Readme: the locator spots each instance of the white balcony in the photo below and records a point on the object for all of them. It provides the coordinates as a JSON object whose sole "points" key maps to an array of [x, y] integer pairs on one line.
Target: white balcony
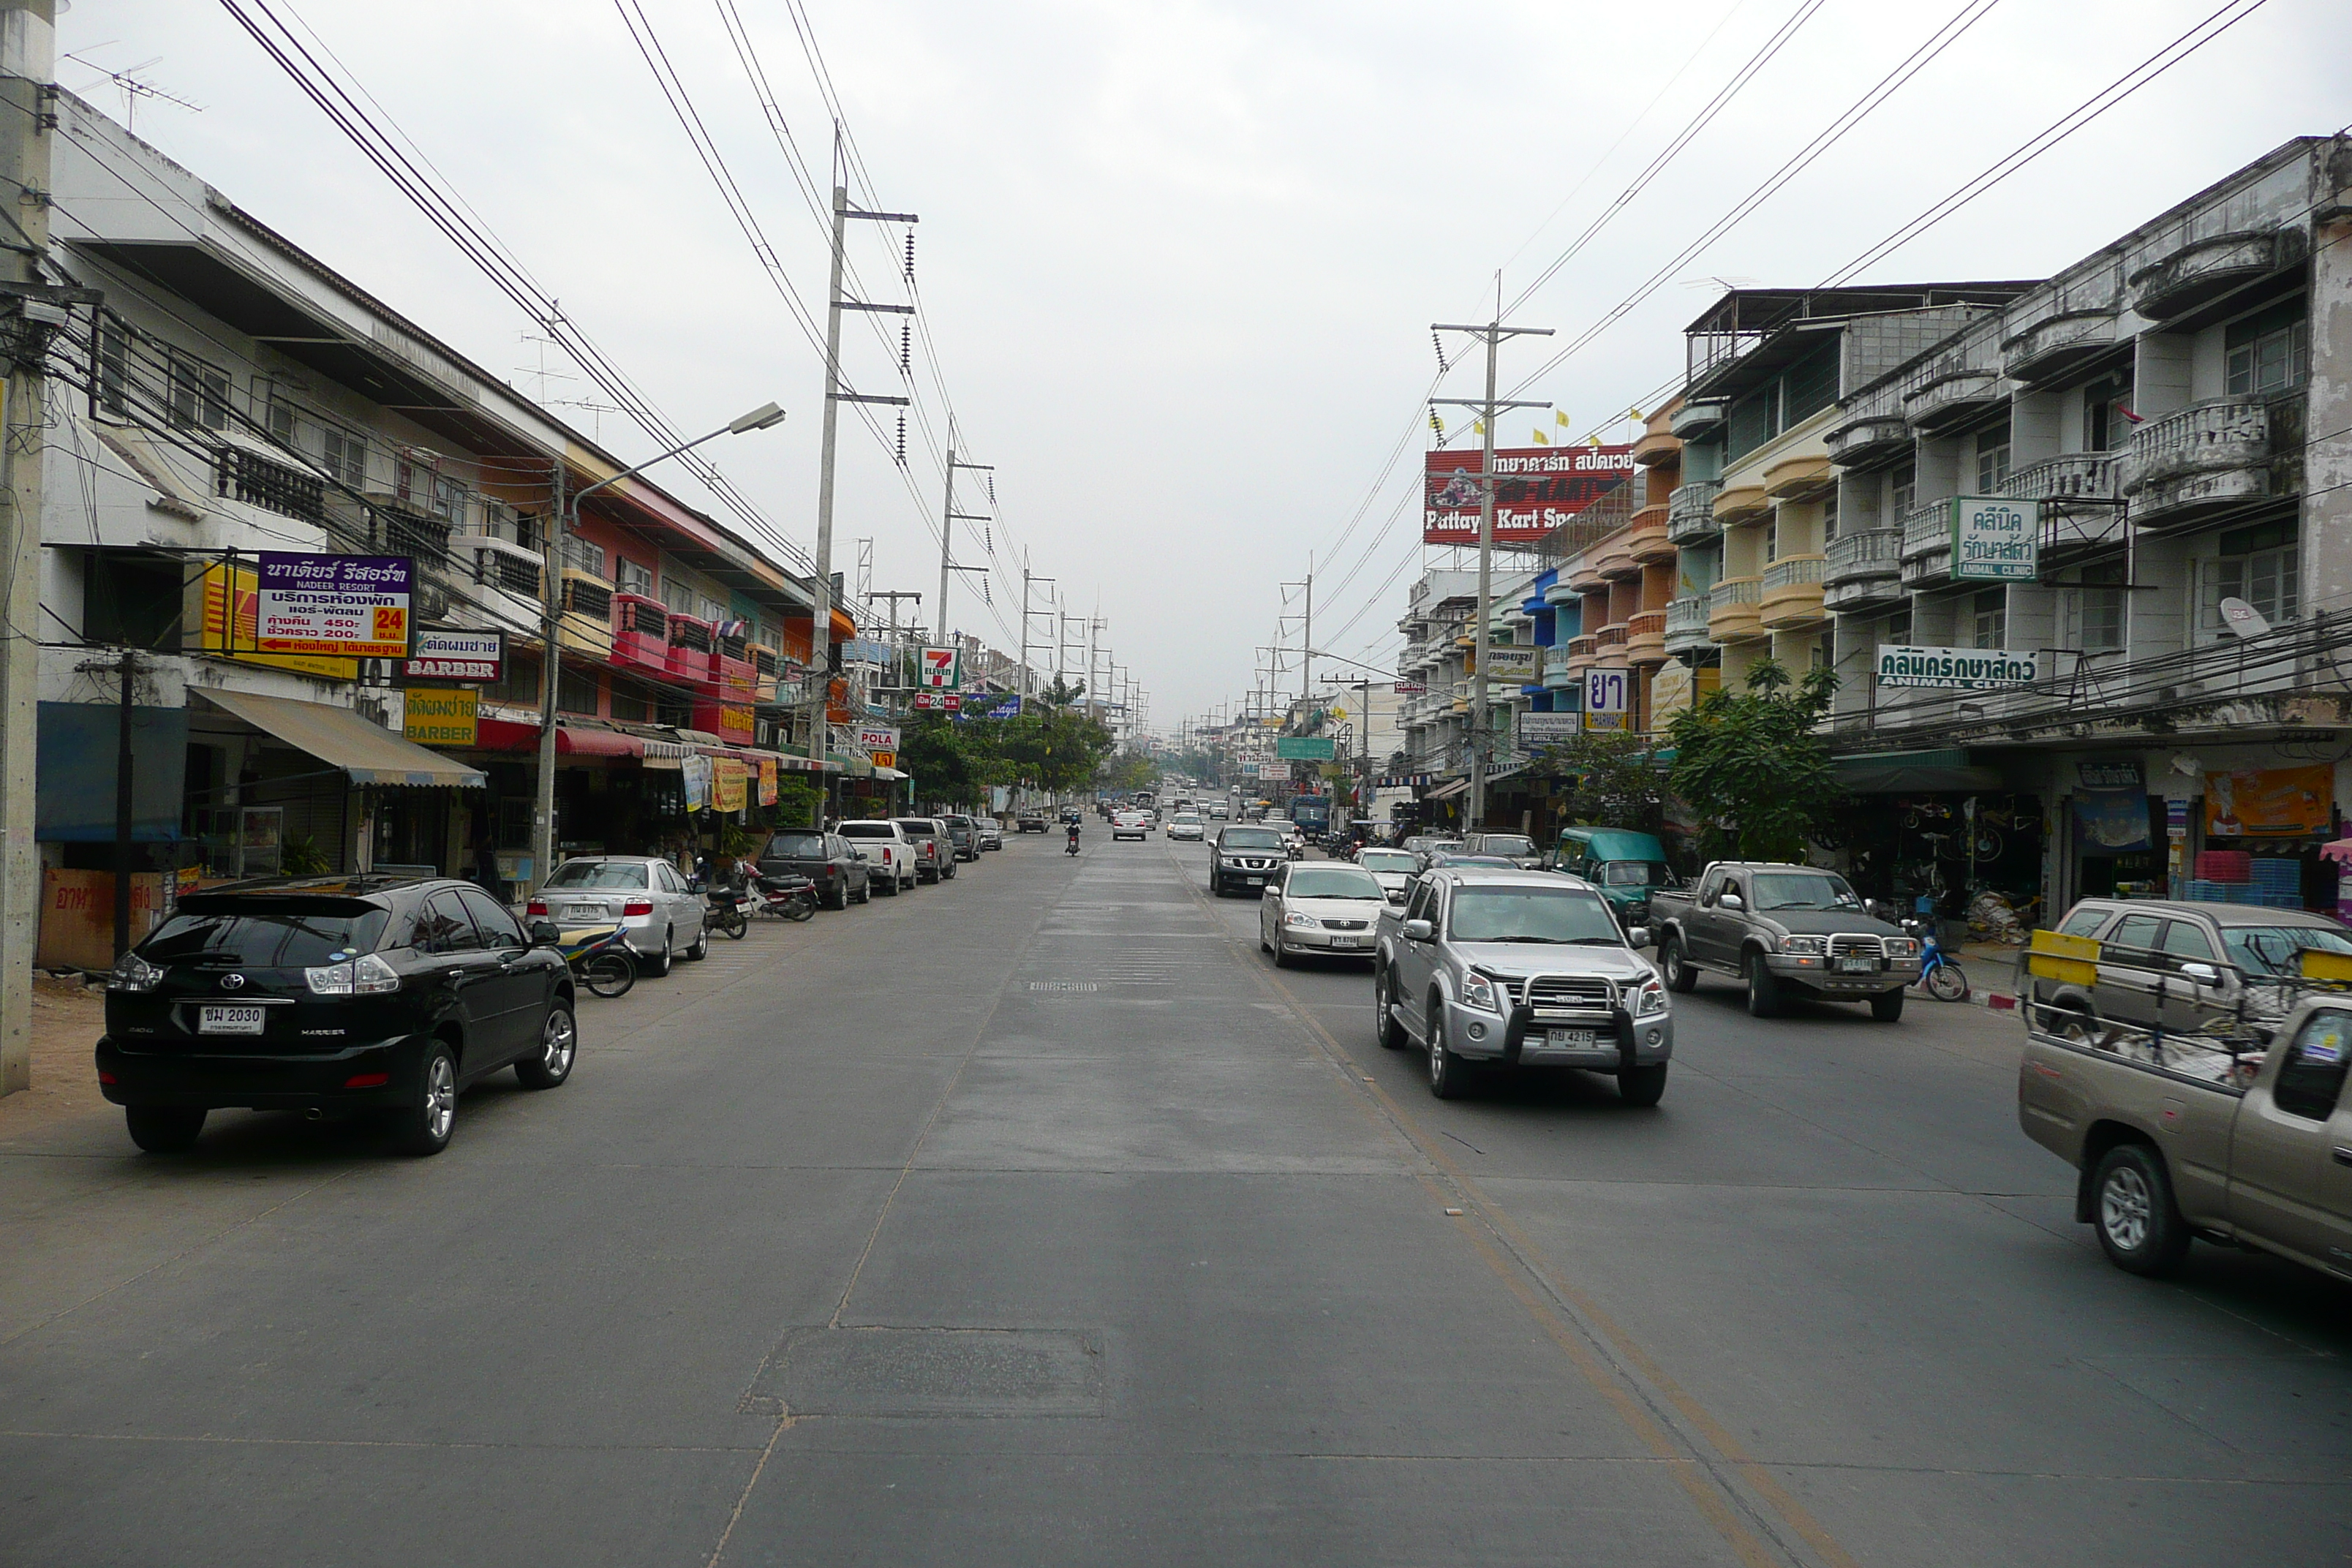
{"points": [[2208, 460], [1690, 512], [1686, 623], [1863, 570]]}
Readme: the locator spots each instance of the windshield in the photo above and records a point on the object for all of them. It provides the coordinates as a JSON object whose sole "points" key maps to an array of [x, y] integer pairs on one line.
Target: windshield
{"points": [[271, 939], [1505, 844], [2275, 950], [1332, 882], [1565, 916], [1389, 860], [919, 825], [1251, 839], [1804, 890], [598, 874], [1633, 874], [811, 845]]}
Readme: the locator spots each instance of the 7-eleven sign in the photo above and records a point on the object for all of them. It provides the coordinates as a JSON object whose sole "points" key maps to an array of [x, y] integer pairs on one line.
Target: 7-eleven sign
{"points": [[942, 668]]}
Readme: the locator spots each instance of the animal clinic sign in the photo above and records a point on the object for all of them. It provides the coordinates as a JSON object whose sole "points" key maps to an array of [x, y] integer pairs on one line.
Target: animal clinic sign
{"points": [[1995, 540], [343, 606]]}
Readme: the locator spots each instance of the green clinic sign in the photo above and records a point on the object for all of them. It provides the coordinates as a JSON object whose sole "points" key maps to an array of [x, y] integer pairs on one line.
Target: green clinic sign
{"points": [[1995, 540]]}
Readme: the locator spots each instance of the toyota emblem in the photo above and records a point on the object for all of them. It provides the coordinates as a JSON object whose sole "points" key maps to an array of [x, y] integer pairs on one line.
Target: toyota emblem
{"points": [[232, 982]]}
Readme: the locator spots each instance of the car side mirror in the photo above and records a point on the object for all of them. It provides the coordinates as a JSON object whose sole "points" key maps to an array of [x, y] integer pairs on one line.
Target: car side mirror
{"points": [[1731, 901], [2203, 974], [1638, 937], [546, 933], [1419, 931]]}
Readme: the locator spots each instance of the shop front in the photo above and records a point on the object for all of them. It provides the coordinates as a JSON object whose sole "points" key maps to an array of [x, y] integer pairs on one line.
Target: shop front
{"points": [[1944, 827]]}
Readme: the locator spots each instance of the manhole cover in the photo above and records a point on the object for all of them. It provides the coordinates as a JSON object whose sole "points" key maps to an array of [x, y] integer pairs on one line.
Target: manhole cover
{"points": [[1063, 985], [932, 1372]]}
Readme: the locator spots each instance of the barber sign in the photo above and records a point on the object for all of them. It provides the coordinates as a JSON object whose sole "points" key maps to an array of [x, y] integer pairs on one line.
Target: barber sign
{"points": [[478, 657]]}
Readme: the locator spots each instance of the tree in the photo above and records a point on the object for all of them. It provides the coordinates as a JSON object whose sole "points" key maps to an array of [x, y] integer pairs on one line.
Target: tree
{"points": [[1616, 779], [1127, 771], [1751, 766], [1063, 693], [944, 759]]}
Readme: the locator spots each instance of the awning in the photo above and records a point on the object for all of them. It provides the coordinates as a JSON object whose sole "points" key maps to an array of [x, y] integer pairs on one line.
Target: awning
{"points": [[1448, 791], [889, 776], [571, 740], [1914, 773], [340, 738]]}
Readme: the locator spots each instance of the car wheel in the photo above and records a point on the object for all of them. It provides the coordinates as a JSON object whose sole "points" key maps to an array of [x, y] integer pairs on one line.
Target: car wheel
{"points": [[1216, 888], [423, 1126], [1385, 1027], [1644, 1085], [559, 1046], [1886, 1007], [866, 892], [1763, 988], [660, 964], [163, 1128], [1263, 944], [701, 948], [1681, 974], [1449, 1075], [839, 898], [2140, 1228], [1283, 957]]}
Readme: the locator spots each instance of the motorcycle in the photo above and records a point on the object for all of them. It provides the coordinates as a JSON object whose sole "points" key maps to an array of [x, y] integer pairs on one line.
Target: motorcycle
{"points": [[729, 912], [1071, 848], [792, 897], [1939, 976], [600, 957]]}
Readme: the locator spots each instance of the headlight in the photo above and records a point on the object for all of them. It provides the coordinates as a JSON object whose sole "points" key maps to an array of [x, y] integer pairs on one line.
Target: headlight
{"points": [[1814, 945], [132, 972], [1902, 947], [365, 976], [1478, 992], [1651, 998], [1308, 921]]}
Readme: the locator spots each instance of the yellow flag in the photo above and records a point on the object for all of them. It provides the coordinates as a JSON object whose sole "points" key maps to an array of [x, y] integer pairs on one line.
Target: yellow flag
{"points": [[1634, 415], [1477, 427], [1596, 443], [1541, 439], [1559, 418]]}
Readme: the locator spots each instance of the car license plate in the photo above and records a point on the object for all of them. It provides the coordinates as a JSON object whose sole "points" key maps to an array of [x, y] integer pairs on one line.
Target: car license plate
{"points": [[1858, 966], [1351, 942], [230, 1020], [1579, 1039], [1257, 881]]}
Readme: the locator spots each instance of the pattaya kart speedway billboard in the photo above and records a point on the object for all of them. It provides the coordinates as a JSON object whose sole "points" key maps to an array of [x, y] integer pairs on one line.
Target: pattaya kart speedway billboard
{"points": [[1540, 488]]}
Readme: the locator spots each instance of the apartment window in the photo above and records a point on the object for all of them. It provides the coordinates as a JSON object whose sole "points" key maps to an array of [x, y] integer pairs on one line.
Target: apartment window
{"points": [[448, 501], [712, 611], [1898, 630], [2106, 427], [1810, 386], [2269, 352], [1902, 489], [112, 390], [1752, 421], [412, 483], [581, 556], [575, 690], [1829, 517], [632, 704], [198, 396], [678, 597], [632, 578], [2258, 566], [1989, 612], [346, 457], [277, 418], [521, 684], [1992, 460], [1772, 540], [2097, 608]]}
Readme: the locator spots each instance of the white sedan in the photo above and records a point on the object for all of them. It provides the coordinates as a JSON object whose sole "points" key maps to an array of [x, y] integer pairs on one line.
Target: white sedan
{"points": [[1322, 907], [1135, 825], [1185, 825]]}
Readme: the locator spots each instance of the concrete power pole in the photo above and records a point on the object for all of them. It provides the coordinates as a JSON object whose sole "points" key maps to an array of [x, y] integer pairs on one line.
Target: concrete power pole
{"points": [[29, 62], [949, 518], [821, 609], [1481, 732]]}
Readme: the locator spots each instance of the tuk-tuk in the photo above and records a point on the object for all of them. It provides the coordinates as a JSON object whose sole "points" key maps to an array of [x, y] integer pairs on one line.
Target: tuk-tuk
{"points": [[1624, 865]]}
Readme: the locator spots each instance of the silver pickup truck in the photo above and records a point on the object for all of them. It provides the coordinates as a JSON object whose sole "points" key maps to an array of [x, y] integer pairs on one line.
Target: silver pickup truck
{"points": [[1782, 931], [2181, 1136], [1520, 969]]}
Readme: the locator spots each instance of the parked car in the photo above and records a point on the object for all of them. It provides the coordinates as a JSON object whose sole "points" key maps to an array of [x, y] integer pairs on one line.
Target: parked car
{"points": [[387, 996], [1185, 826], [2184, 965], [886, 851], [991, 833], [1247, 855], [1521, 969], [1515, 848], [1029, 822], [1393, 869], [1135, 825], [1325, 907], [2183, 1135], [964, 834], [660, 917], [826, 859], [935, 859], [1784, 930], [1626, 866]]}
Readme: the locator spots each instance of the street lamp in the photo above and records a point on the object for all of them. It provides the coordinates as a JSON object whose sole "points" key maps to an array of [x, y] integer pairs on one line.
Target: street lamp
{"points": [[542, 833]]}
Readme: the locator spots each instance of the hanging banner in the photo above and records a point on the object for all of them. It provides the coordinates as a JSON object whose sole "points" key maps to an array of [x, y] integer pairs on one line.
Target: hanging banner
{"points": [[2111, 807], [883, 759], [1995, 540], [727, 776], [942, 670], [1537, 489], [457, 655], [767, 781], [441, 716], [347, 607], [2270, 803], [875, 739], [694, 772]]}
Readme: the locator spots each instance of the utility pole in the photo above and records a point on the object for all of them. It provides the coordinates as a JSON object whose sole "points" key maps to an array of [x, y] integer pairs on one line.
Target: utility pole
{"points": [[1027, 577], [949, 518], [821, 610], [893, 596], [31, 93], [1481, 735], [551, 661]]}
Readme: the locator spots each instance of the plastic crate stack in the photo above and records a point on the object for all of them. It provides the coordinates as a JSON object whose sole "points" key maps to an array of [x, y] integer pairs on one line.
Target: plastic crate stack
{"points": [[2277, 884], [2223, 877]]}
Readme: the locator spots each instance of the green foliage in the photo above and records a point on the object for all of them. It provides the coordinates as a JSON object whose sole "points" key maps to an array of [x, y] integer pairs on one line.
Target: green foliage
{"points": [[1127, 771], [1750, 764], [1063, 693], [302, 858], [1615, 779], [1043, 747]]}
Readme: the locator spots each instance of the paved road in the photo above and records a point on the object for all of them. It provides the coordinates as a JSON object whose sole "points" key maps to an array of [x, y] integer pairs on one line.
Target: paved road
{"points": [[1091, 1238]]}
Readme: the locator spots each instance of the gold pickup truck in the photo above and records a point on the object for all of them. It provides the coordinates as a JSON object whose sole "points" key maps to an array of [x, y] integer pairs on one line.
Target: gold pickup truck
{"points": [[2243, 1139]]}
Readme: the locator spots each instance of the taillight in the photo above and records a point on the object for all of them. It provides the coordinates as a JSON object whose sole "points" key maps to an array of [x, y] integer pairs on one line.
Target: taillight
{"points": [[637, 907], [367, 1080], [536, 907], [106, 1078]]}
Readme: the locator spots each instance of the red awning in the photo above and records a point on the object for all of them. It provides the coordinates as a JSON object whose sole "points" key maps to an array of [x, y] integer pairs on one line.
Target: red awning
{"points": [[507, 735]]}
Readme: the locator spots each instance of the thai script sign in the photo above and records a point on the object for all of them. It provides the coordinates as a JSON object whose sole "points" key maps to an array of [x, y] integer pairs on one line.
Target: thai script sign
{"points": [[1537, 489], [1606, 698], [1995, 540], [1957, 668], [1304, 748], [441, 716], [349, 606], [1541, 730], [457, 655], [219, 611], [1518, 662]]}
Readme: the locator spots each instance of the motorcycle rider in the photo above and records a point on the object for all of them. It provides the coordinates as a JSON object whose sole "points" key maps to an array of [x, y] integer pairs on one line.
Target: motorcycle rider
{"points": [[1073, 837]]}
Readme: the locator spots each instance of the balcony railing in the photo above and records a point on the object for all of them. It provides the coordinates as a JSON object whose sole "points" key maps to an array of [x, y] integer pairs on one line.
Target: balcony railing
{"points": [[1927, 527], [1871, 553], [1608, 637], [1734, 591], [1687, 613], [2205, 458], [1556, 658], [1690, 512], [2089, 476], [1791, 570]]}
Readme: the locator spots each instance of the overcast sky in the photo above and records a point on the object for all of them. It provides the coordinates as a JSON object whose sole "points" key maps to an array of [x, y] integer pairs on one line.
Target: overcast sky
{"points": [[1178, 259]]}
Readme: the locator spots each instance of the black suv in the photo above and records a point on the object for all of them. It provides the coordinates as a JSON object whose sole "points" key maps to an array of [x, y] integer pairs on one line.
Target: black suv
{"points": [[332, 994], [826, 859]]}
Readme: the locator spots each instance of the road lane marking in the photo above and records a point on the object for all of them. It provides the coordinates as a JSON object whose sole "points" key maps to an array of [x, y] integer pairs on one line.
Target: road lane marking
{"points": [[1575, 1324]]}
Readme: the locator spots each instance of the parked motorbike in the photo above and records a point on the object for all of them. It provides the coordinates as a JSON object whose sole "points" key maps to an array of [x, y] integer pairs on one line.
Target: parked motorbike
{"points": [[792, 897], [600, 957], [1939, 976], [730, 910]]}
